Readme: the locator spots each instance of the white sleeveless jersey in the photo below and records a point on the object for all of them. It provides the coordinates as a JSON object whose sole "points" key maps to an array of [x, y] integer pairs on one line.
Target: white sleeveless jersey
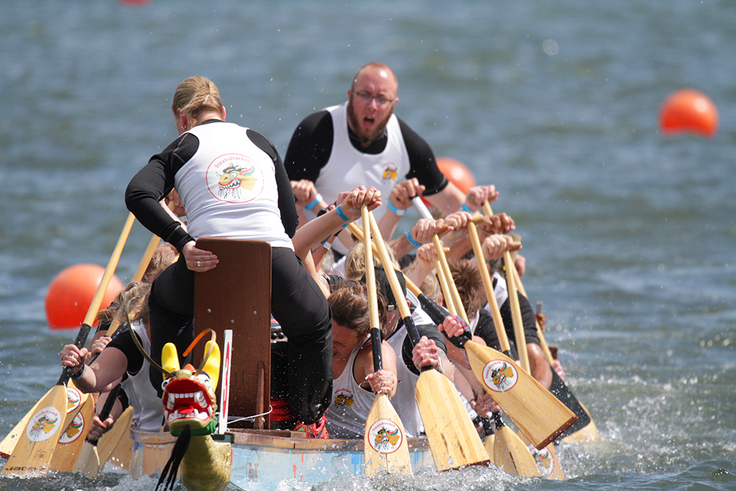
{"points": [[349, 168], [229, 187], [148, 410], [350, 403]]}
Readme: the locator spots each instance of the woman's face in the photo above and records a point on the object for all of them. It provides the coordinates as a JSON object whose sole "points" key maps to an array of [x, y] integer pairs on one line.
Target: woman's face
{"points": [[344, 341]]}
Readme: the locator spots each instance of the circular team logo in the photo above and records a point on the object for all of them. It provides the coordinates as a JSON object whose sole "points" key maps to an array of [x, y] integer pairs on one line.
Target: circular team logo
{"points": [[544, 460], [44, 424], [73, 398], [234, 178], [499, 375], [385, 436], [74, 431]]}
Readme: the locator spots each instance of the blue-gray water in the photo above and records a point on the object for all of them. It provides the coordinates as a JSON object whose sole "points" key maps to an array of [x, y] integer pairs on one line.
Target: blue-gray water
{"points": [[629, 234]]}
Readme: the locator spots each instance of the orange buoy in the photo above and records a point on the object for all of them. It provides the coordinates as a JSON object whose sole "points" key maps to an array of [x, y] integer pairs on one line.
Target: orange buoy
{"points": [[457, 173], [71, 291], [691, 111]]}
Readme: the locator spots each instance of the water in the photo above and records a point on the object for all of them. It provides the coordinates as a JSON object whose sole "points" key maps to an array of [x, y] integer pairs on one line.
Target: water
{"points": [[629, 235]]}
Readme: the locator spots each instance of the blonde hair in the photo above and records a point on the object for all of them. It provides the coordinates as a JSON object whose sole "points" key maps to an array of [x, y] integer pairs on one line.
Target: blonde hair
{"points": [[349, 305], [355, 261], [132, 301], [196, 95]]}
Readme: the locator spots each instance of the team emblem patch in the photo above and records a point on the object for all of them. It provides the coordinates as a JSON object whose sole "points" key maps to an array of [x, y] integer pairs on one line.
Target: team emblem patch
{"points": [[389, 172], [44, 424], [344, 398], [385, 436], [234, 178], [73, 398], [74, 431], [544, 460], [499, 375]]}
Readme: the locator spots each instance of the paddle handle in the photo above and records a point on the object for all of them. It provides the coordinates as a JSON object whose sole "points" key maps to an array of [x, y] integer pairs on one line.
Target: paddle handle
{"points": [[78, 342]]}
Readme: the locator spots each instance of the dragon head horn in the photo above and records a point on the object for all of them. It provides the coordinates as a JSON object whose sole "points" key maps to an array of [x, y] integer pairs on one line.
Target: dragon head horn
{"points": [[170, 358]]}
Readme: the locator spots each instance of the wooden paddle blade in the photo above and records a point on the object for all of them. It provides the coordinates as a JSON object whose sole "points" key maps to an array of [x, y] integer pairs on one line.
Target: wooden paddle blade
{"points": [[118, 434], [35, 446], [8, 443], [452, 437], [587, 434], [72, 440], [535, 411], [565, 395], [386, 448], [511, 455], [546, 459], [88, 462]]}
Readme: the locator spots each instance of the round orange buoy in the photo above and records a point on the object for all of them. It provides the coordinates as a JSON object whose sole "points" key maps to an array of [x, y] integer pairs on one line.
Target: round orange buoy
{"points": [[71, 291], [457, 173], [691, 111]]}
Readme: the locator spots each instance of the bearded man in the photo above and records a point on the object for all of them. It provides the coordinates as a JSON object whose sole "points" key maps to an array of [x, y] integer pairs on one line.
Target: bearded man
{"points": [[362, 142]]}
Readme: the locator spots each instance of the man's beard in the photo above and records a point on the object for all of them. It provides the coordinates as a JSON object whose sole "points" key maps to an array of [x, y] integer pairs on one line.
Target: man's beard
{"points": [[367, 136]]}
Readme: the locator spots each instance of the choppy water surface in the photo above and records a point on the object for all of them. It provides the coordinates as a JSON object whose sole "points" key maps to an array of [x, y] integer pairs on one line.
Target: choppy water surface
{"points": [[629, 234]]}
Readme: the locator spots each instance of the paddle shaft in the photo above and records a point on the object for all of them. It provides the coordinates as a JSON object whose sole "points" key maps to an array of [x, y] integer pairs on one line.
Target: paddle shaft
{"points": [[370, 283], [454, 297], [109, 403]]}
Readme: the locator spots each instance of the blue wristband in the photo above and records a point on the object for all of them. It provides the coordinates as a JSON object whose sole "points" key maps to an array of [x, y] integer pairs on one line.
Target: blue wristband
{"points": [[395, 210], [465, 208], [314, 203], [342, 214], [412, 241]]}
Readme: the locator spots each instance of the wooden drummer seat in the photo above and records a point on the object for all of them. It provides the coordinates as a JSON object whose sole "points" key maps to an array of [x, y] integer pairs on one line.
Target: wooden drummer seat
{"points": [[237, 295]]}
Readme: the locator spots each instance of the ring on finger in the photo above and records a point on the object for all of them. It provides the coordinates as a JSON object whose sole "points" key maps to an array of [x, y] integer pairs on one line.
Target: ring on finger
{"points": [[199, 264]]}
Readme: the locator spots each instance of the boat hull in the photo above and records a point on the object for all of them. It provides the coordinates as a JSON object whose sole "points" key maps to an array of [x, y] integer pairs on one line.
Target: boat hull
{"points": [[261, 459]]}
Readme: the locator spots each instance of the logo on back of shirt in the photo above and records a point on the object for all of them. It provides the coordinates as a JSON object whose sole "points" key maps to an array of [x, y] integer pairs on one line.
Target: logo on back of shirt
{"points": [[234, 178], [389, 172]]}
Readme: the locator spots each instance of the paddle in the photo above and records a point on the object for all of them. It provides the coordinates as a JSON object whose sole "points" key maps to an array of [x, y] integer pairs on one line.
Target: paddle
{"points": [[71, 441], [453, 440], [553, 468], [584, 428], [88, 462], [509, 452], [34, 448], [535, 411], [115, 437], [385, 446], [558, 387]]}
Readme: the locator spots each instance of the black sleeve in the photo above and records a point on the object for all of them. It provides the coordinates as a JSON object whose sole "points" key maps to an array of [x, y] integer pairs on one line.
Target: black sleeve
{"points": [[527, 317], [287, 206], [422, 161], [429, 330], [310, 147], [486, 330], [124, 342], [156, 180]]}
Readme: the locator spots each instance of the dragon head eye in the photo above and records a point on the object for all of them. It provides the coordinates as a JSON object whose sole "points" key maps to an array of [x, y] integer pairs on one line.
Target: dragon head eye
{"points": [[205, 379]]}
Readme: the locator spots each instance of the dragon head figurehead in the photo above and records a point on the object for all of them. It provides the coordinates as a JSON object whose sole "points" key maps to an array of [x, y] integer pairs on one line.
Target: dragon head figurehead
{"points": [[189, 395]]}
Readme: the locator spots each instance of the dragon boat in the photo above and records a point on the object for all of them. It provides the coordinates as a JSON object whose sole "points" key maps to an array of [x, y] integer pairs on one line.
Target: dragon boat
{"points": [[247, 452]]}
